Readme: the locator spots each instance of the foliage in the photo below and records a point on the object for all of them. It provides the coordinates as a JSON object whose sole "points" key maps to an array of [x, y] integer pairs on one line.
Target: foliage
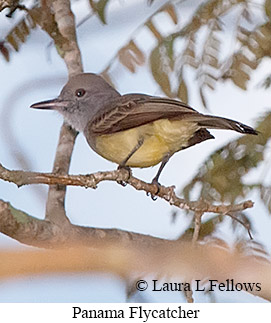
{"points": [[221, 176], [209, 24], [203, 46], [99, 8], [12, 5], [18, 35], [221, 180]]}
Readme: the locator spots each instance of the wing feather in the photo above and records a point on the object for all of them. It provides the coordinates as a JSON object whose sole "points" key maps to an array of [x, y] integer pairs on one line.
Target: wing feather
{"points": [[133, 110]]}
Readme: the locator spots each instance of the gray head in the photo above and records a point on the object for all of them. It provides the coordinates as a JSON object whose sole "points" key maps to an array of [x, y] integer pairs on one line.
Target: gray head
{"points": [[81, 99]]}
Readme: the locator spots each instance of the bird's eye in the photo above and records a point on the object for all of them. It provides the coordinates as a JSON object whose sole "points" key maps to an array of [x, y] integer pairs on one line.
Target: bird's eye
{"points": [[80, 92]]}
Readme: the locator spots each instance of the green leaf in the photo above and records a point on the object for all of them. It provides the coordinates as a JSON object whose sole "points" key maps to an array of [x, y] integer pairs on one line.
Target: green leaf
{"points": [[99, 7]]}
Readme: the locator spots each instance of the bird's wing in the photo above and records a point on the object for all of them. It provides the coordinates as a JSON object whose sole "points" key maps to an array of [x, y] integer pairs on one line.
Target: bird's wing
{"points": [[133, 110]]}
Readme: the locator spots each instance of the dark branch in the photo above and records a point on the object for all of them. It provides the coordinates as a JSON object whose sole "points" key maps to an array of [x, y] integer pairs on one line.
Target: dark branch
{"points": [[42, 233]]}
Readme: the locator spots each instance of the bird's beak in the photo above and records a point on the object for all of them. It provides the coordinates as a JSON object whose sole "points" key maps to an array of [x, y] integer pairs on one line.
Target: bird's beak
{"points": [[53, 104]]}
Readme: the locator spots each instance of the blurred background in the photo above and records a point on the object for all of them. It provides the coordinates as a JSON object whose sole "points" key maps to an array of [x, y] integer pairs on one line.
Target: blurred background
{"points": [[213, 54]]}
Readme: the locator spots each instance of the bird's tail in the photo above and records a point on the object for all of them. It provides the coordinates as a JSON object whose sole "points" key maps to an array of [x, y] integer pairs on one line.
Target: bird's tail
{"points": [[212, 122]]}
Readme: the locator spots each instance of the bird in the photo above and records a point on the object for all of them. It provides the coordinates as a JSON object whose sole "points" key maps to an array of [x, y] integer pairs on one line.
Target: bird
{"points": [[133, 130]]}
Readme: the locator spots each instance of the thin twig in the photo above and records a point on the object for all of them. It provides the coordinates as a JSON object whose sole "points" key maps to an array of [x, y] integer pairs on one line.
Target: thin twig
{"points": [[197, 218], [245, 225], [21, 178]]}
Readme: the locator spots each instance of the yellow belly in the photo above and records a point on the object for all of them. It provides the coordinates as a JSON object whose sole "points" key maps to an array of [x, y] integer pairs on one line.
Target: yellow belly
{"points": [[160, 138]]}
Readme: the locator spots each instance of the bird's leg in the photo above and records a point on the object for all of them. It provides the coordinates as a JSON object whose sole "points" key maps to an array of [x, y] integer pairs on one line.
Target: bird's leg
{"points": [[156, 177], [123, 163], [137, 146]]}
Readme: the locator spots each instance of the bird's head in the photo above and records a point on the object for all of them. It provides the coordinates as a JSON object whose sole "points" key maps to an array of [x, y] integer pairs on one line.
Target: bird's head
{"points": [[81, 99]]}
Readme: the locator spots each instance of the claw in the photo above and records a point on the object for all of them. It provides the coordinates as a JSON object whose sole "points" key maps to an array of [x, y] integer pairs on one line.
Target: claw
{"points": [[154, 196], [123, 183]]}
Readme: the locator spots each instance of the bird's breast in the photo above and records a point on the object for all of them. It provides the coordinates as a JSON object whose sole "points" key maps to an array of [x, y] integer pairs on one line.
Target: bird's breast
{"points": [[159, 138]]}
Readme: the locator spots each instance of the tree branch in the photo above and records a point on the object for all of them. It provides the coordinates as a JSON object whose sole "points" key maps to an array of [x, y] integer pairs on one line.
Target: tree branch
{"points": [[120, 252], [55, 206], [179, 260], [42, 233], [55, 210], [66, 25], [92, 180]]}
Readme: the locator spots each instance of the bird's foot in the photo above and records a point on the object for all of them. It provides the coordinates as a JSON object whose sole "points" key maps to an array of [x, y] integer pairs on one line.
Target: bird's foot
{"points": [[128, 169], [157, 184]]}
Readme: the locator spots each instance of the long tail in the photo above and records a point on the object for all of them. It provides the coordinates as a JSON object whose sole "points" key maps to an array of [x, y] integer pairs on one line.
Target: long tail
{"points": [[212, 122]]}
